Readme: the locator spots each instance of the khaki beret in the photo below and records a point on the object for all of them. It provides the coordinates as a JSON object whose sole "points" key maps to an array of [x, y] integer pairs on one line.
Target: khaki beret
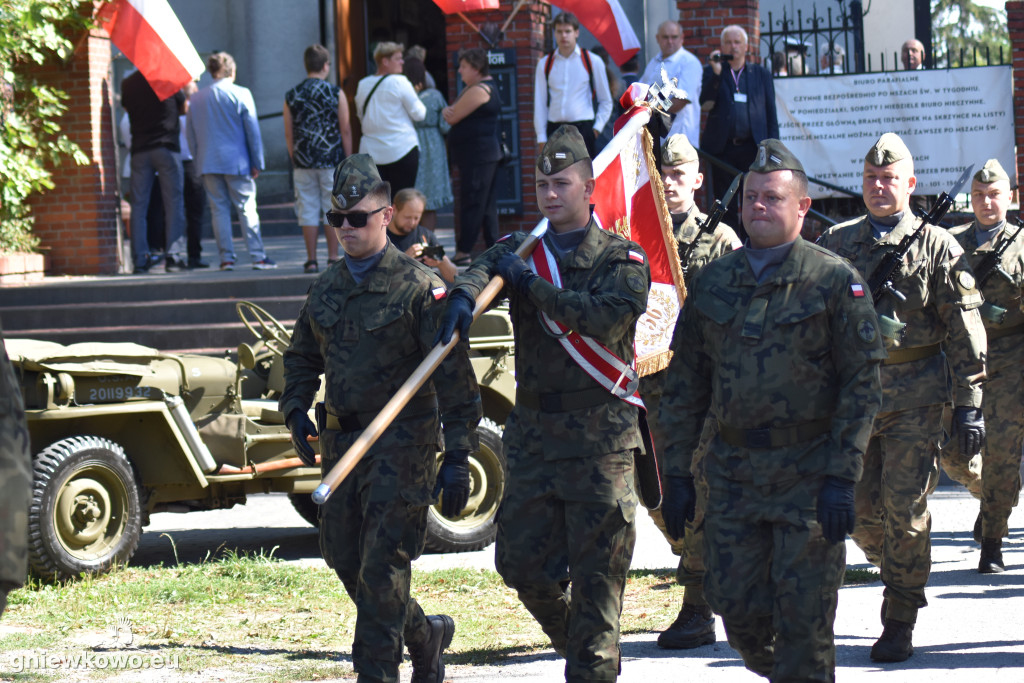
{"points": [[772, 155], [991, 172], [677, 150], [564, 148], [354, 178], [889, 149]]}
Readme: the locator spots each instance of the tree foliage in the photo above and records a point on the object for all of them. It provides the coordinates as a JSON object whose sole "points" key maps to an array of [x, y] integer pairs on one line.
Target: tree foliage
{"points": [[32, 32], [966, 33]]}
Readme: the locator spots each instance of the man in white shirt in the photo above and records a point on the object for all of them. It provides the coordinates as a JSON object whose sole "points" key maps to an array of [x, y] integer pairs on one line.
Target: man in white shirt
{"points": [[682, 65], [387, 106], [570, 86]]}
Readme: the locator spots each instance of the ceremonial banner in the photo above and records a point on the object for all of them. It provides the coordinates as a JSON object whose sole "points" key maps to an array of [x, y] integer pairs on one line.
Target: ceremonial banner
{"points": [[949, 118], [456, 6], [151, 37], [629, 200], [609, 24]]}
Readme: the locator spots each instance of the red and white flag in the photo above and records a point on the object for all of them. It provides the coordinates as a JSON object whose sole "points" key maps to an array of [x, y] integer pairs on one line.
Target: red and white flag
{"points": [[151, 37], [629, 200], [456, 6], [609, 24]]}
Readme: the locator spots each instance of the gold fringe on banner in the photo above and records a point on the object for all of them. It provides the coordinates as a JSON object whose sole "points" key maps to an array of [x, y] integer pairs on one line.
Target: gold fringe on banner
{"points": [[663, 216]]}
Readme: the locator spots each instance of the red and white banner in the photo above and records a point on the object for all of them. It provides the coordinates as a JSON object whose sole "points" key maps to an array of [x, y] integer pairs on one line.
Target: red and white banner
{"points": [[456, 6], [609, 24], [629, 200], [151, 37]]}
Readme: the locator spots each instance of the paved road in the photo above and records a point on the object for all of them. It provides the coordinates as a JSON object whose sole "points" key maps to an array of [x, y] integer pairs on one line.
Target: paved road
{"points": [[973, 628]]}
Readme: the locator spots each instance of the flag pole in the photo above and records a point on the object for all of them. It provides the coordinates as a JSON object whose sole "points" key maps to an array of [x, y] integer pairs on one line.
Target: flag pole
{"points": [[475, 28], [515, 11]]}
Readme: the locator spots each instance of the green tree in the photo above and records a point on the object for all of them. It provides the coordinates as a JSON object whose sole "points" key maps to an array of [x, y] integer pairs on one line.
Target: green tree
{"points": [[32, 32], [966, 33]]}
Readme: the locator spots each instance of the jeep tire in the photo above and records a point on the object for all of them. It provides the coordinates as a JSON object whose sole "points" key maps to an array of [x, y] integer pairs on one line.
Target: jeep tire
{"points": [[477, 526], [86, 511]]}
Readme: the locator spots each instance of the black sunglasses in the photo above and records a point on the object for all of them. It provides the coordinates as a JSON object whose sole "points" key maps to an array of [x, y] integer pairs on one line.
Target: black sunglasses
{"points": [[357, 219]]}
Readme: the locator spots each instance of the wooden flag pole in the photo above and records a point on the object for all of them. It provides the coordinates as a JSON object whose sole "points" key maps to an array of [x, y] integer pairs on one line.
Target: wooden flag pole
{"points": [[515, 11], [417, 379]]}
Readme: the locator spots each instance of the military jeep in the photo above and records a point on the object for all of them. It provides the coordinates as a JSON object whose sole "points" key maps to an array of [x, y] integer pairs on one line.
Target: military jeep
{"points": [[120, 431]]}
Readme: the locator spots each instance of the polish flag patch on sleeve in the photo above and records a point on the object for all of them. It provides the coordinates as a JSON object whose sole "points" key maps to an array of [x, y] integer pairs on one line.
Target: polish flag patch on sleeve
{"points": [[439, 293], [636, 256], [857, 290]]}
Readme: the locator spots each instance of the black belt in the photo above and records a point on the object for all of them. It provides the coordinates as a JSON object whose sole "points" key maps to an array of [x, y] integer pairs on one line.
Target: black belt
{"points": [[356, 422], [774, 437], [563, 402], [1001, 332], [899, 356]]}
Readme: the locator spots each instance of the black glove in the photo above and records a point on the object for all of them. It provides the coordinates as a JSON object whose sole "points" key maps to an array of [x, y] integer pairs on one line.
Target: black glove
{"points": [[458, 314], [301, 426], [969, 426], [453, 480], [835, 509], [517, 274], [679, 504]]}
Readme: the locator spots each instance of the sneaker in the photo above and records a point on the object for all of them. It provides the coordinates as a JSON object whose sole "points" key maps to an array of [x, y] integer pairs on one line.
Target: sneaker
{"points": [[196, 263], [695, 626], [227, 265], [265, 264], [174, 265], [427, 658]]}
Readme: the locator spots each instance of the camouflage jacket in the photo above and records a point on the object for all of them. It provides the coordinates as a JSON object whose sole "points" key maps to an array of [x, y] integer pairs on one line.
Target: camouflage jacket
{"points": [[799, 348], [940, 307], [368, 338], [603, 294], [709, 247], [15, 478], [998, 290]]}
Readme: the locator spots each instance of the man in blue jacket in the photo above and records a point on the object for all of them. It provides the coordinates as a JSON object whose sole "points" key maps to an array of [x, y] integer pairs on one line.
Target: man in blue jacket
{"points": [[740, 101]]}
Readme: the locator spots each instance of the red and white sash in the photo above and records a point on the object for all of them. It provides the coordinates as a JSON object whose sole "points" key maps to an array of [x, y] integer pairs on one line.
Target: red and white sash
{"points": [[596, 359]]}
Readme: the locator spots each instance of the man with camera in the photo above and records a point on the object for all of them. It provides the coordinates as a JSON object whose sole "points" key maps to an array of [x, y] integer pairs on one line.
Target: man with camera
{"points": [[740, 101], [418, 242]]}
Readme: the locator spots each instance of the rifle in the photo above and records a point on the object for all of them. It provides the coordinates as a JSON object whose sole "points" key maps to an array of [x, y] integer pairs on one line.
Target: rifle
{"points": [[990, 265], [881, 280], [710, 223]]}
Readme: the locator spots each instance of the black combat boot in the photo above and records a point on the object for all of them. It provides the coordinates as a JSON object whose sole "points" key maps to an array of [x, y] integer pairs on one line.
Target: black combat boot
{"points": [[695, 626], [894, 645], [991, 556], [427, 657], [977, 529]]}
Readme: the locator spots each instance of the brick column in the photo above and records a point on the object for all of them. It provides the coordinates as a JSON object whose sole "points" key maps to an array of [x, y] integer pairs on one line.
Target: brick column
{"points": [[77, 221], [1015, 23], [703, 23], [526, 34]]}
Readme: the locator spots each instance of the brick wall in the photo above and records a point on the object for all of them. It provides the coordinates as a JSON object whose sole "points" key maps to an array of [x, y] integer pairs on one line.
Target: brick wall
{"points": [[703, 23], [526, 34], [1015, 22], [77, 220]]}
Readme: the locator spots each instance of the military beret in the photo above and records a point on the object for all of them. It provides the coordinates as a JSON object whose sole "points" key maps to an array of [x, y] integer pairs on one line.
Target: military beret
{"points": [[772, 155], [991, 172], [889, 149], [354, 178], [677, 150], [563, 149]]}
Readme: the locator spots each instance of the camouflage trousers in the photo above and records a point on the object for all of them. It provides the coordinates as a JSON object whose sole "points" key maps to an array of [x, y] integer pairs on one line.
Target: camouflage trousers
{"points": [[967, 473], [371, 529], [772, 576], [1004, 437], [893, 523], [566, 532], [15, 479]]}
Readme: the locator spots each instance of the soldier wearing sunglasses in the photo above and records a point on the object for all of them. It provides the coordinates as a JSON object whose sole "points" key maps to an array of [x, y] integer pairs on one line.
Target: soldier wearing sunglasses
{"points": [[368, 322]]}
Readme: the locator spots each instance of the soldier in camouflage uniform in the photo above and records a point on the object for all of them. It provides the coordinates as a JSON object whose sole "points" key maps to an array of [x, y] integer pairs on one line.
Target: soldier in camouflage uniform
{"points": [[1003, 317], [566, 528], [680, 171], [933, 322], [781, 342], [367, 323], [15, 481]]}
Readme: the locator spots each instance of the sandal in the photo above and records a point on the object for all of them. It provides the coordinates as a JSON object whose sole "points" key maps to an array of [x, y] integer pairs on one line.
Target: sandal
{"points": [[310, 267], [462, 259], [332, 261]]}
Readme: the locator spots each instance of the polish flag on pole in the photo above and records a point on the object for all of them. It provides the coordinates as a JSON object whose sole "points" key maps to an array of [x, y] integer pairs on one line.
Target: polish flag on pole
{"points": [[456, 6], [630, 200], [607, 21], [151, 37]]}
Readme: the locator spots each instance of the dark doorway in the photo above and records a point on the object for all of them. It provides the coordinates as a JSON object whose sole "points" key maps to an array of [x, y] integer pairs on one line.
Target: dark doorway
{"points": [[410, 22]]}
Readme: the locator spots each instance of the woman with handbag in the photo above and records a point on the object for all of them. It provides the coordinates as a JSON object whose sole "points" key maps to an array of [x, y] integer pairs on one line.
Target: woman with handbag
{"points": [[474, 147]]}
